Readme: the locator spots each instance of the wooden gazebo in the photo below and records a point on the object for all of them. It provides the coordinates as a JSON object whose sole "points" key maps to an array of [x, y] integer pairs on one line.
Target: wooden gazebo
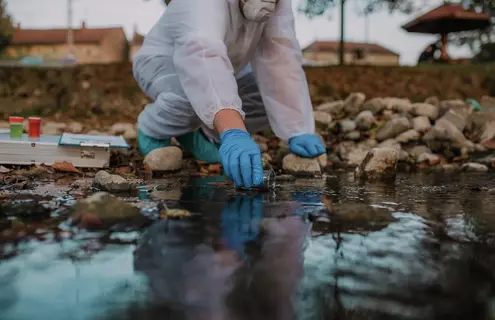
{"points": [[445, 19]]}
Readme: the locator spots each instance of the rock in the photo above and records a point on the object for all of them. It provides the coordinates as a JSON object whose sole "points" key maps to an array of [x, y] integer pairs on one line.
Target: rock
{"points": [[334, 108], [353, 103], [459, 116], [164, 159], [388, 115], [446, 105], [356, 156], [378, 163], [323, 160], [102, 210], [474, 167], [110, 182], [347, 125], [398, 104], [127, 130], [322, 118], [393, 128], [487, 102], [403, 155], [390, 143], [433, 101], [353, 135], [408, 136], [263, 146], [266, 158], [297, 166], [95, 133], [421, 124], [430, 158], [260, 139], [374, 105], [75, 127], [367, 144], [425, 109], [53, 128], [417, 151], [365, 120], [446, 131], [344, 148], [449, 167], [4, 125], [82, 184]]}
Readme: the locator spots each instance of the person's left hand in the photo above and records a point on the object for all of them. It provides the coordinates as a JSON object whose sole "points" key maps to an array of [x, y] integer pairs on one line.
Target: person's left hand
{"points": [[307, 146]]}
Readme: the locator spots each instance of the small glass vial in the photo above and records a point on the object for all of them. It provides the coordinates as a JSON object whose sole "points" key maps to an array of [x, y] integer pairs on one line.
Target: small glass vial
{"points": [[269, 179], [16, 127]]}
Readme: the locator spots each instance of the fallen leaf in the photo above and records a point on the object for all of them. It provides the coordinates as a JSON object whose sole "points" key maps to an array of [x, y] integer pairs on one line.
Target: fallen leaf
{"points": [[123, 170], [175, 213], [4, 170], [65, 166]]}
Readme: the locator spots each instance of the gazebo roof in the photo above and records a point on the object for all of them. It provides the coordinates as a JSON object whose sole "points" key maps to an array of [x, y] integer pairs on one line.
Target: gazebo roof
{"points": [[447, 18]]}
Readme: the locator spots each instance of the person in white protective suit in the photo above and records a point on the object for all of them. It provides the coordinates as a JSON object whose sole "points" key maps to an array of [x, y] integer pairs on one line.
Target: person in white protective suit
{"points": [[219, 70]]}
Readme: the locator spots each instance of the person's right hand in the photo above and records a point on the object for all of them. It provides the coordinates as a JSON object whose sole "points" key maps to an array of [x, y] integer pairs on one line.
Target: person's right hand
{"points": [[241, 158]]}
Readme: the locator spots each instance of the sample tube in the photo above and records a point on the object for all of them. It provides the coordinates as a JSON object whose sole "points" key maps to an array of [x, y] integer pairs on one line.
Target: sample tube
{"points": [[16, 127], [34, 128], [268, 182]]}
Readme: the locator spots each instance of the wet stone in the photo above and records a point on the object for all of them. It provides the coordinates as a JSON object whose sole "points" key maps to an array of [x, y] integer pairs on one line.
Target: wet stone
{"points": [[110, 182], [378, 163], [298, 166]]}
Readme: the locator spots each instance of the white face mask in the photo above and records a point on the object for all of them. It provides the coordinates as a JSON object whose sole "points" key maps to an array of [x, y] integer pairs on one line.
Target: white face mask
{"points": [[257, 10]]}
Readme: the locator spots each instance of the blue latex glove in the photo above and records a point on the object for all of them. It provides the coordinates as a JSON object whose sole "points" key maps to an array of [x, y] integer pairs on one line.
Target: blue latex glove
{"points": [[241, 158], [241, 218], [307, 146]]}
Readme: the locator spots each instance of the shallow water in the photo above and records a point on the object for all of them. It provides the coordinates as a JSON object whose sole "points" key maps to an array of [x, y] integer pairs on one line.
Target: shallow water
{"points": [[417, 248]]}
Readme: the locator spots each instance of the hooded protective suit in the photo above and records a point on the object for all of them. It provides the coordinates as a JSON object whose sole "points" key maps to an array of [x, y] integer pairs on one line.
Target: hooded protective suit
{"points": [[205, 56]]}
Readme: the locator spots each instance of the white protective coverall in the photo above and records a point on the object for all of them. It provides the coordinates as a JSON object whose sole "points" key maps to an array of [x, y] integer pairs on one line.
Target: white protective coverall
{"points": [[203, 56]]}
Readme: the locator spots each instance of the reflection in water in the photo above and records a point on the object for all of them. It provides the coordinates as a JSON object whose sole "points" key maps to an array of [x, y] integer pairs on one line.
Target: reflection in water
{"points": [[419, 248]]}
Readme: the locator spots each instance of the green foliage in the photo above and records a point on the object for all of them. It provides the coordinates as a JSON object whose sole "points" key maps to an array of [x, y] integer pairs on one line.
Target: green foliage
{"points": [[6, 26]]}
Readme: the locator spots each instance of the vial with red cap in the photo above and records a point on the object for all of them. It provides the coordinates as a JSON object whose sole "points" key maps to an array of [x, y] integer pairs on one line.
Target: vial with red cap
{"points": [[34, 127]]}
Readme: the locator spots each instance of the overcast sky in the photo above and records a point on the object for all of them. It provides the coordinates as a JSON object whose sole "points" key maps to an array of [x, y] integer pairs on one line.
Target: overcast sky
{"points": [[384, 29]]}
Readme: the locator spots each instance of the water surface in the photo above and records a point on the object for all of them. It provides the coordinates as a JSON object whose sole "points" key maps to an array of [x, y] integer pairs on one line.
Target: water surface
{"points": [[417, 248]]}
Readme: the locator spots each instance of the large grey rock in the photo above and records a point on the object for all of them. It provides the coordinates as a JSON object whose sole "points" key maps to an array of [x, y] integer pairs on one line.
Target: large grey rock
{"points": [[374, 105], [433, 100], [446, 105], [378, 163], [53, 128], [398, 104], [474, 167], [110, 182], [347, 125], [408, 136], [393, 128], [417, 151], [164, 159], [421, 124], [75, 127], [334, 108], [365, 120], [445, 130], [459, 116], [298, 166], [353, 103], [127, 130], [322, 118], [390, 143], [425, 109], [487, 102]]}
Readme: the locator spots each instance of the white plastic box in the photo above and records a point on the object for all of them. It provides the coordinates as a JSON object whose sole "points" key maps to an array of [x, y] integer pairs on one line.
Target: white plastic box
{"points": [[81, 150]]}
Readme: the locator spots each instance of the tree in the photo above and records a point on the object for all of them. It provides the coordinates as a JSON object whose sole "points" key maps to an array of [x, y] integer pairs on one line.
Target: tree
{"points": [[479, 41], [6, 26], [315, 8]]}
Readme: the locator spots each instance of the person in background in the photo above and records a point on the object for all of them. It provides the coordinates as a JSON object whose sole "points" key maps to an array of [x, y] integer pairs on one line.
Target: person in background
{"points": [[218, 71]]}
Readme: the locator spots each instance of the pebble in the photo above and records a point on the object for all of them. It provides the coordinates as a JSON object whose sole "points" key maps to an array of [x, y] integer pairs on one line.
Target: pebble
{"points": [[110, 182]]}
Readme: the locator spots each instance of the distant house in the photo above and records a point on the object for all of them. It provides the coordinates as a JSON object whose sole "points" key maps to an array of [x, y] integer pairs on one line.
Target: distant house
{"points": [[136, 43], [90, 45], [354, 53]]}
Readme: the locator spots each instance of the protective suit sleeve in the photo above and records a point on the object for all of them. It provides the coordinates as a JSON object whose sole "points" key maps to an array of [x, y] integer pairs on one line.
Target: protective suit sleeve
{"points": [[277, 66], [200, 56]]}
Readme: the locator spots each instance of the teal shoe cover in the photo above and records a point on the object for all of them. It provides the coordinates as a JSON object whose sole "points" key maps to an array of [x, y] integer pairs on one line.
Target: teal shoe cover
{"points": [[194, 142], [201, 148], [147, 144]]}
